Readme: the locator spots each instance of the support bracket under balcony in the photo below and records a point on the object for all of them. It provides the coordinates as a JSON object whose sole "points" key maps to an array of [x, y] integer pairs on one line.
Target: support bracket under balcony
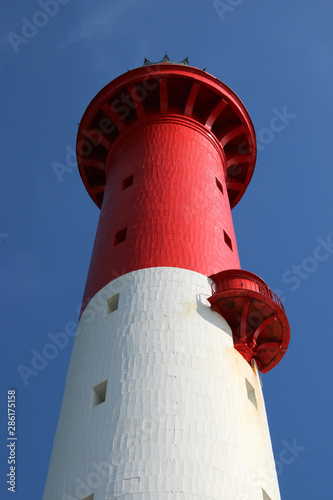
{"points": [[255, 314]]}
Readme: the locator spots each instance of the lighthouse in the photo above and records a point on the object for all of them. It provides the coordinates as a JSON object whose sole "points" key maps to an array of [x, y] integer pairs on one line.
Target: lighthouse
{"points": [[163, 395]]}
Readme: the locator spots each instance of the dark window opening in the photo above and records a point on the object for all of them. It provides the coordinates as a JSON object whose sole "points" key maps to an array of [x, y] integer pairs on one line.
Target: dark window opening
{"points": [[127, 182], [251, 393], [98, 394], [120, 236], [264, 495], [112, 304], [219, 185], [227, 239]]}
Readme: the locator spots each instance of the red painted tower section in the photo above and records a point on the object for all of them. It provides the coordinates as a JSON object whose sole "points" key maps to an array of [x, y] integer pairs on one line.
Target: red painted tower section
{"points": [[166, 151]]}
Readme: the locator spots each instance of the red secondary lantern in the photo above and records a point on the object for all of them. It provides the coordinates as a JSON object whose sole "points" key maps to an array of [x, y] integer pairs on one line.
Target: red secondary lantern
{"points": [[166, 151]]}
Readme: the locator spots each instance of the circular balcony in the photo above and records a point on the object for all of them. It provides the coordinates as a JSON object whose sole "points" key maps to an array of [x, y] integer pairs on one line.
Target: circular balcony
{"points": [[160, 90], [255, 314]]}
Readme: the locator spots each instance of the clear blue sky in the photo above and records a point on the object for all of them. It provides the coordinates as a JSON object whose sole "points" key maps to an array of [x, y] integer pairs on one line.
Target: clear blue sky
{"points": [[277, 56]]}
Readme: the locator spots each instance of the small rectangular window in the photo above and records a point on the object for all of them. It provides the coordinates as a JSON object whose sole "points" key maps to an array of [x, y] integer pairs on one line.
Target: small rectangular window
{"points": [[219, 185], [127, 182], [264, 495], [98, 394], [120, 236], [227, 239], [112, 304], [251, 393]]}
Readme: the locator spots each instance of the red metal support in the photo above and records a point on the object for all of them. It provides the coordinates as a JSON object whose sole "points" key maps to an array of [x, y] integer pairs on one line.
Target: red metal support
{"points": [[256, 315]]}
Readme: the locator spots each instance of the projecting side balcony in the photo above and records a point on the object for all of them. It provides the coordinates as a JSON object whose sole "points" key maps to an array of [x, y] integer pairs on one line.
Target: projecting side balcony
{"points": [[255, 314]]}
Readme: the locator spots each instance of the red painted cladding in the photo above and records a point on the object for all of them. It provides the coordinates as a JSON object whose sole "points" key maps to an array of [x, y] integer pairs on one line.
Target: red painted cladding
{"points": [[165, 151], [174, 213]]}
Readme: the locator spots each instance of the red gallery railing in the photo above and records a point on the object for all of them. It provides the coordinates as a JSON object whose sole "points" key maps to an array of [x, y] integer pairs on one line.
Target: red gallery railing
{"points": [[255, 314]]}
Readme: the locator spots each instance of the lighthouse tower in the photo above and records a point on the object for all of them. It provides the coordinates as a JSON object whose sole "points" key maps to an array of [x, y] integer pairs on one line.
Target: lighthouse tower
{"points": [[163, 397]]}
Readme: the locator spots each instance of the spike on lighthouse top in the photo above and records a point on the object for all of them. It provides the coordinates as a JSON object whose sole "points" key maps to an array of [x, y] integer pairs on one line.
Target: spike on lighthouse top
{"points": [[166, 89], [166, 59]]}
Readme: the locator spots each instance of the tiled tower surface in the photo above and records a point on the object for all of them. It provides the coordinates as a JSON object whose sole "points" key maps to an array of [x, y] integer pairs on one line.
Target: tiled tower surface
{"points": [[163, 397], [177, 133]]}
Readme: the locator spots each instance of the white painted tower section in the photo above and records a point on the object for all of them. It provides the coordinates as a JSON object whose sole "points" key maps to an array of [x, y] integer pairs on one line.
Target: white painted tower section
{"points": [[158, 404]]}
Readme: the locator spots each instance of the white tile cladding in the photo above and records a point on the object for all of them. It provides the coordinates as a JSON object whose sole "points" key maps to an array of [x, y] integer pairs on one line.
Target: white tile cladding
{"points": [[158, 405]]}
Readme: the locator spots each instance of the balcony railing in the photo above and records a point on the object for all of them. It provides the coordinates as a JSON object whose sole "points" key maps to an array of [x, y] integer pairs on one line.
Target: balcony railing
{"points": [[237, 279]]}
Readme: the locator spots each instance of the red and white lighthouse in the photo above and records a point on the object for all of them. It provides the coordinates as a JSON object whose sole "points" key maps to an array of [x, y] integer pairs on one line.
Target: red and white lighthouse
{"points": [[163, 398]]}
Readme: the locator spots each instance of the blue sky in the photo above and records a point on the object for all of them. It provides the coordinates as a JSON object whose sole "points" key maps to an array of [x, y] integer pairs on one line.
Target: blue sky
{"points": [[277, 56]]}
